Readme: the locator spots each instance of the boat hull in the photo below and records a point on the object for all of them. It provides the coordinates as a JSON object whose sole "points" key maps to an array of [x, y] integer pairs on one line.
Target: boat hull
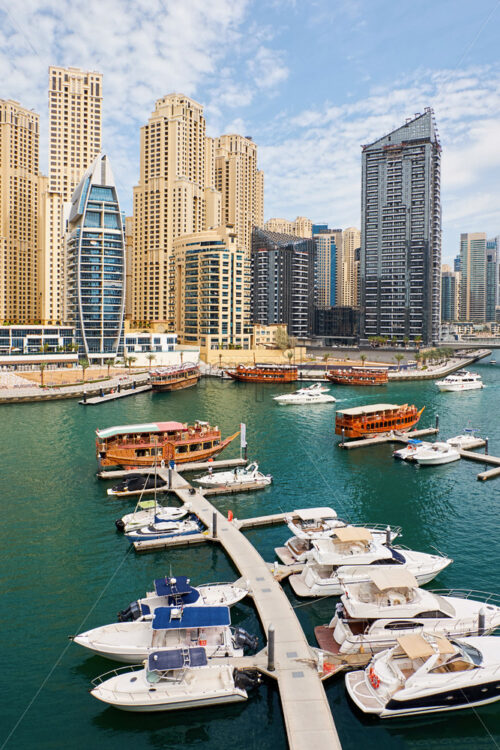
{"points": [[172, 705], [457, 387], [127, 457], [176, 385]]}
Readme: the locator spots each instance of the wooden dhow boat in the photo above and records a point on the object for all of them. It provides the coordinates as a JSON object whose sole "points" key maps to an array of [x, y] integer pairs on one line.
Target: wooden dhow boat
{"points": [[374, 419], [147, 444], [358, 376], [174, 378], [264, 373]]}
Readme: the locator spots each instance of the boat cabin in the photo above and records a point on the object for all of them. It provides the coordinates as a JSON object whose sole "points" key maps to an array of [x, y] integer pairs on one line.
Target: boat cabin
{"points": [[170, 665], [376, 418]]}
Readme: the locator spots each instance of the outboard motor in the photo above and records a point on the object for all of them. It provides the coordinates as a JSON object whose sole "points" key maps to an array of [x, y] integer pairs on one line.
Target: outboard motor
{"points": [[131, 613], [246, 679], [119, 524], [242, 639]]}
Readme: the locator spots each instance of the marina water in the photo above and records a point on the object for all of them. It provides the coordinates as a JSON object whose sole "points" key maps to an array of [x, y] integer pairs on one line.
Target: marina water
{"points": [[65, 569]]}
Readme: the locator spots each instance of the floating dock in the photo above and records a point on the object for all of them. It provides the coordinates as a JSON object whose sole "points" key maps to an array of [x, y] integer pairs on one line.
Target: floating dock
{"points": [[122, 393]]}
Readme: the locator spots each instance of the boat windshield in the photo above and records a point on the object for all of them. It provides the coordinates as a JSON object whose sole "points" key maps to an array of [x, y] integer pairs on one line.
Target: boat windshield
{"points": [[473, 653], [398, 557]]}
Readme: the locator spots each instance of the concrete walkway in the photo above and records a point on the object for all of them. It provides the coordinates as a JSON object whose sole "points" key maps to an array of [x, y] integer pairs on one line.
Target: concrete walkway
{"points": [[36, 393]]}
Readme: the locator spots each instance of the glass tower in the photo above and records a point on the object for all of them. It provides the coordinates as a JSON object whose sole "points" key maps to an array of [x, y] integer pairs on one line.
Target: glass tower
{"points": [[95, 264]]}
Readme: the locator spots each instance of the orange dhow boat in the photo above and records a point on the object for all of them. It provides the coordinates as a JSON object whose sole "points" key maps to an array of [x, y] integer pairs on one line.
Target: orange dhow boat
{"points": [[147, 444], [174, 378], [358, 376], [363, 421], [265, 373]]}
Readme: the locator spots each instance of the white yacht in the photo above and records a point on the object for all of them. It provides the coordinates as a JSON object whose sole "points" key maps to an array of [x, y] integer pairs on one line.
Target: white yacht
{"points": [[239, 475], [172, 680], [178, 592], [426, 675], [408, 452], [373, 614], [467, 440], [149, 511], [313, 394], [351, 556], [437, 453], [308, 524], [460, 381], [168, 627]]}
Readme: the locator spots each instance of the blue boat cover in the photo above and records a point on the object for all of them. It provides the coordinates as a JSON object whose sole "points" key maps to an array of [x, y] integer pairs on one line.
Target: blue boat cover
{"points": [[191, 617], [167, 587], [160, 661], [414, 441]]}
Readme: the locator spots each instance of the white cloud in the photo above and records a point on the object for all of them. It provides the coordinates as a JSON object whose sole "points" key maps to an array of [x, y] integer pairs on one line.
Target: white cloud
{"points": [[267, 68]]}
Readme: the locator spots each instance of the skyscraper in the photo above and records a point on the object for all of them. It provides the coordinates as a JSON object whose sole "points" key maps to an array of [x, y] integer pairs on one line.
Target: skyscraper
{"points": [[20, 229], [401, 233], [283, 281], [492, 278], [328, 243], [95, 270], [349, 267], [301, 227], [75, 135], [450, 294], [237, 181], [473, 277]]}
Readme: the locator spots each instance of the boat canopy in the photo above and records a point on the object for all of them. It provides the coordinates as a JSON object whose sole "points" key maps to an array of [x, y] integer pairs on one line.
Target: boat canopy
{"points": [[393, 579], [161, 661], [173, 587], [418, 647], [358, 411], [353, 534], [173, 618], [127, 429], [313, 514]]}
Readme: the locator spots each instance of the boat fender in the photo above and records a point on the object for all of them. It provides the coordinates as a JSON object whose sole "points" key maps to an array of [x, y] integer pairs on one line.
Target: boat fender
{"points": [[230, 515], [119, 524]]}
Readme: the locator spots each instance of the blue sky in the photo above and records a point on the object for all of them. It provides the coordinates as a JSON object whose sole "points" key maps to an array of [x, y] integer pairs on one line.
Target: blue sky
{"points": [[309, 80]]}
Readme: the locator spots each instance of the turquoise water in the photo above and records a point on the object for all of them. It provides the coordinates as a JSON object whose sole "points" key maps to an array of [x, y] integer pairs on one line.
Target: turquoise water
{"points": [[65, 569]]}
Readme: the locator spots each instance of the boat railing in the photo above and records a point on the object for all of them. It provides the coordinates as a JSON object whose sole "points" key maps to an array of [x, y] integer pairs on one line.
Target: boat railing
{"points": [[484, 597], [378, 527], [374, 645], [115, 672], [409, 549]]}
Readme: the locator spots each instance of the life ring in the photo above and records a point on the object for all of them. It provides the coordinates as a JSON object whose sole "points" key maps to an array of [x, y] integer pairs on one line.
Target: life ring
{"points": [[375, 681]]}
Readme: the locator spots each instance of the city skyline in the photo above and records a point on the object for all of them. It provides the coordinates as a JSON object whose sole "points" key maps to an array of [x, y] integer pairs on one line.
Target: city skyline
{"points": [[309, 124]]}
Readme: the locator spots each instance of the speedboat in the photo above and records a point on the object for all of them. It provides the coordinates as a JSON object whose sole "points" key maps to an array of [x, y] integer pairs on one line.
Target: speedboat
{"points": [[239, 475], [313, 394], [136, 484], [408, 452], [467, 440], [351, 556], [493, 361], [174, 679], [372, 615], [460, 381], [168, 627], [159, 529], [148, 511], [438, 453], [425, 675], [308, 524], [178, 592]]}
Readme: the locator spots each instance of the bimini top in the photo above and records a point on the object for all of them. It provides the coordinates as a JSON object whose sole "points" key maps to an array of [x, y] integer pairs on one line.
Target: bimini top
{"points": [[393, 579], [126, 429], [311, 514], [161, 661], [179, 586], [353, 534], [368, 409], [165, 618], [418, 647]]}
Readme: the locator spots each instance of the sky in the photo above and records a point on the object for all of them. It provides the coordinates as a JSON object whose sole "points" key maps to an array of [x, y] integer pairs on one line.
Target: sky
{"points": [[309, 80]]}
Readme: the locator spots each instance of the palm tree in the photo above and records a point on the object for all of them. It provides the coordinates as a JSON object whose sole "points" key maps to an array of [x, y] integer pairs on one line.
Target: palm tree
{"points": [[43, 365], [418, 358], [150, 357], [109, 363], [130, 361], [325, 360], [84, 363], [394, 340], [289, 354], [398, 357], [418, 340], [406, 341], [363, 359]]}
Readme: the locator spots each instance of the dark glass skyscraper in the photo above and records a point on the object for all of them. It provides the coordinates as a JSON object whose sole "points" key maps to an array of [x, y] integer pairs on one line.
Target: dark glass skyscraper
{"points": [[95, 264], [401, 233]]}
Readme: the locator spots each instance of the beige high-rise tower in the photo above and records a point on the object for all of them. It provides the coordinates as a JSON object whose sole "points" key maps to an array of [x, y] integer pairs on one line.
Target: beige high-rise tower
{"points": [[75, 138], [301, 227], [20, 231], [348, 268], [240, 184]]}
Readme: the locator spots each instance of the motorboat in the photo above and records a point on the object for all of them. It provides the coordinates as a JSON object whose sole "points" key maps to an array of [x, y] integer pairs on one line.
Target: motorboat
{"points": [[408, 452], [351, 556], [493, 361], [371, 615], [425, 675], [168, 627], [308, 524], [438, 453], [136, 484], [174, 679], [460, 381], [468, 439], [178, 592], [313, 394], [239, 475], [159, 529], [148, 511]]}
